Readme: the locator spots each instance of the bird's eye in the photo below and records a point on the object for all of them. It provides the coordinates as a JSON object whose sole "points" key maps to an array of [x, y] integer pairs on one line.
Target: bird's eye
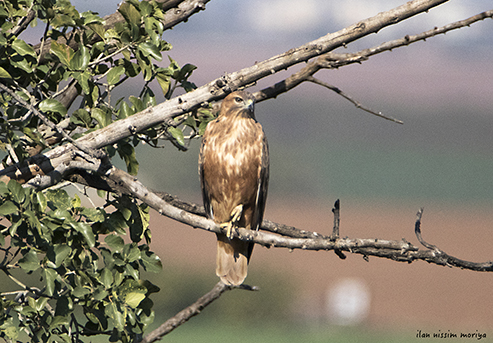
{"points": [[238, 99]]}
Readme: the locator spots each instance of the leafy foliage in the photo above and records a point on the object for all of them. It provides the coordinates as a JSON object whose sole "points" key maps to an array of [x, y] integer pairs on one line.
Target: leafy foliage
{"points": [[78, 51], [73, 272], [53, 237]]}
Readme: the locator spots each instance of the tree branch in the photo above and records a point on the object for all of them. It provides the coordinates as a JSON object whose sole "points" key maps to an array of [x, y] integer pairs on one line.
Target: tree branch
{"points": [[191, 311], [332, 60], [401, 251], [218, 88]]}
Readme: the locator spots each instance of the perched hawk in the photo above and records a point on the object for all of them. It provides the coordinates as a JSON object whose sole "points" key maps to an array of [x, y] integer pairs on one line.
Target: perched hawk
{"points": [[234, 173]]}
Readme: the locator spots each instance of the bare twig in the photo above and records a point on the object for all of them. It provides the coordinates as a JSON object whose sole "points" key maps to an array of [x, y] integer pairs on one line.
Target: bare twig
{"points": [[348, 97], [336, 210], [417, 231], [337, 219], [437, 256], [191, 311]]}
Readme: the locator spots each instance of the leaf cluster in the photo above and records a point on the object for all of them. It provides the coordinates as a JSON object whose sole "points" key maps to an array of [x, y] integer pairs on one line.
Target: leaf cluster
{"points": [[53, 238], [75, 271], [71, 74]]}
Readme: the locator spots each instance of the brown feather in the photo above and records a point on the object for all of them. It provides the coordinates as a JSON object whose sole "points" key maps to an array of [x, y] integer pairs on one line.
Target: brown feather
{"points": [[234, 170]]}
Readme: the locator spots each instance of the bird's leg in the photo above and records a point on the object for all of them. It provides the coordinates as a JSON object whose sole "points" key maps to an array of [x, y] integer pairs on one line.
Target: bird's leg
{"points": [[233, 222]]}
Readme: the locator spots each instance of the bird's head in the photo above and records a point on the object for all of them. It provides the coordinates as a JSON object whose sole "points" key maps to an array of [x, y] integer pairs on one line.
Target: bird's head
{"points": [[239, 103]]}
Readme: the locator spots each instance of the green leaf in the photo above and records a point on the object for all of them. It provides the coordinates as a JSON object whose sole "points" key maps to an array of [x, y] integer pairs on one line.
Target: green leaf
{"points": [[151, 262], [37, 304], [138, 104], [33, 220], [177, 134], [103, 117], [124, 111], [10, 329], [91, 18], [150, 50], [59, 321], [117, 316], [59, 199], [29, 262], [100, 294], [41, 200], [95, 94], [133, 292], [23, 62], [127, 152], [81, 116], [52, 105], [133, 299], [4, 190], [86, 231], [164, 81], [61, 251], [173, 66], [101, 193], [131, 271], [115, 242], [93, 214], [76, 202], [185, 72], [61, 20], [130, 13], [84, 79], [131, 252], [131, 69], [81, 59], [106, 278], [80, 292], [63, 52], [97, 28], [8, 208], [49, 276], [22, 48], [145, 8], [4, 74], [18, 193], [114, 75]]}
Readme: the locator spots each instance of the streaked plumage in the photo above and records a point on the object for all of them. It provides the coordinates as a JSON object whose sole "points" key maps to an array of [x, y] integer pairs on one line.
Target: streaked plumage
{"points": [[234, 174]]}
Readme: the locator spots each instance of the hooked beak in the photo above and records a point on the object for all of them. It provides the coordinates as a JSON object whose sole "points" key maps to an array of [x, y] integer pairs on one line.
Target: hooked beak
{"points": [[250, 105]]}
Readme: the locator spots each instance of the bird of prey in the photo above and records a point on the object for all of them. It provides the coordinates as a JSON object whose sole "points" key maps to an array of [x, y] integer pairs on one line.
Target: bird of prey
{"points": [[234, 175]]}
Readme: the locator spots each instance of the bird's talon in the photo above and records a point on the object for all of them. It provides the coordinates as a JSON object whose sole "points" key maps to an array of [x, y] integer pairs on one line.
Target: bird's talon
{"points": [[229, 229]]}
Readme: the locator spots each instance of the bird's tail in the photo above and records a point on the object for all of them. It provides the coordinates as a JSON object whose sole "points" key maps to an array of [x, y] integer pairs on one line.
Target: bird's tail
{"points": [[232, 259]]}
